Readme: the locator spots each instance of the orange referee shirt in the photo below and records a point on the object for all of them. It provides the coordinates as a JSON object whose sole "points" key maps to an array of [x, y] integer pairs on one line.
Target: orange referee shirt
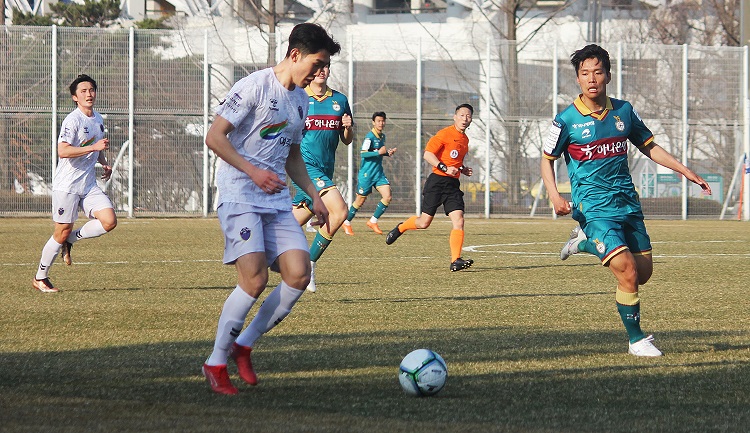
{"points": [[450, 146]]}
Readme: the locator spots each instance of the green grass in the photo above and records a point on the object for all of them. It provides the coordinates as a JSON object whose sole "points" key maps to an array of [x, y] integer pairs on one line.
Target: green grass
{"points": [[532, 344]]}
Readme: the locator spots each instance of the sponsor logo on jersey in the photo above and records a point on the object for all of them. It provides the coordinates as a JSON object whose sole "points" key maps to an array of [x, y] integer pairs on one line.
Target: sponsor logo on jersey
{"points": [[85, 129], [583, 125], [245, 233], [586, 133], [272, 131], [615, 146], [321, 122]]}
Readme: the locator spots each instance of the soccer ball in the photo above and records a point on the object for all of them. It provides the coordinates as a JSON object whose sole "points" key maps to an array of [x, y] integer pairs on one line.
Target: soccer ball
{"points": [[422, 373]]}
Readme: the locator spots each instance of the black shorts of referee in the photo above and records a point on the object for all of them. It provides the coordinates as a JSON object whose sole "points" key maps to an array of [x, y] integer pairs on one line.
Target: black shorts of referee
{"points": [[442, 190]]}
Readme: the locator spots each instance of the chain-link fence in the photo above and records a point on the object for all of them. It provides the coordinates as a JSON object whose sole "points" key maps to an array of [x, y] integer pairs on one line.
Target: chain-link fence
{"points": [[157, 91]]}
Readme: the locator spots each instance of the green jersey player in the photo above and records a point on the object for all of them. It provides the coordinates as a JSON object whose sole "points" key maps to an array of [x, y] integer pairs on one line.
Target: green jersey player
{"points": [[592, 135]]}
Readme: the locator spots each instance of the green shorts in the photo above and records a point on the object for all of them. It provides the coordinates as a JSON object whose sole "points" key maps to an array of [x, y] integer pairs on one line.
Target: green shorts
{"points": [[613, 236]]}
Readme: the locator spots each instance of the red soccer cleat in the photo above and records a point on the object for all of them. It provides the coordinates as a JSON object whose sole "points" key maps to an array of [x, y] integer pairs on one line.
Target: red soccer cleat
{"points": [[241, 355], [218, 378]]}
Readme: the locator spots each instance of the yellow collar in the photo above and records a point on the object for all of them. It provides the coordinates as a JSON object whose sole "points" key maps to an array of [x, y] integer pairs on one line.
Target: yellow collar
{"points": [[328, 93]]}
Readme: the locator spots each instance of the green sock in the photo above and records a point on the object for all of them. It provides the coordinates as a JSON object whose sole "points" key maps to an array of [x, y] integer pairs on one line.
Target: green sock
{"points": [[587, 246], [630, 314], [352, 211], [318, 246], [380, 209]]}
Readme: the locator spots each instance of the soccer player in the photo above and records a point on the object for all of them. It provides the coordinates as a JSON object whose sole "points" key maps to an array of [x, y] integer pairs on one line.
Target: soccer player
{"points": [[257, 134], [371, 175], [592, 134], [445, 152], [80, 146], [329, 119]]}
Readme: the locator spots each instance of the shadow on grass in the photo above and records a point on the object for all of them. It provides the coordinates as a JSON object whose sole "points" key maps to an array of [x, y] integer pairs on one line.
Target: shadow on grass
{"points": [[501, 379]]}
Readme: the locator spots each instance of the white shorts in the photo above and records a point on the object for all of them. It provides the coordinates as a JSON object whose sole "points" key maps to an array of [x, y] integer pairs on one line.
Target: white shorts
{"points": [[250, 229], [65, 205]]}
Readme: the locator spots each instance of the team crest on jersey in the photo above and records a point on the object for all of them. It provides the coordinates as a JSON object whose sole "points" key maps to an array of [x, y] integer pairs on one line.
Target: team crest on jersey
{"points": [[335, 105], [619, 124], [60, 211], [245, 233], [454, 153], [600, 247]]}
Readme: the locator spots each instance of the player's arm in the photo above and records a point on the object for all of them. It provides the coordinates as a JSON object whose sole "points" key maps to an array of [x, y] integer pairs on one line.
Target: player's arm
{"points": [[433, 160], [368, 152], [107, 168], [660, 156], [347, 131], [296, 169], [217, 141], [547, 169], [67, 150]]}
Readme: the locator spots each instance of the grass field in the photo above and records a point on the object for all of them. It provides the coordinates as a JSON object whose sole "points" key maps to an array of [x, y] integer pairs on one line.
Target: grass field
{"points": [[532, 344]]}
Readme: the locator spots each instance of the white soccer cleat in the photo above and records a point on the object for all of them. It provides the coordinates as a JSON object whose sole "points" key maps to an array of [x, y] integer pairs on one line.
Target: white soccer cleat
{"points": [[571, 247], [311, 287], [310, 228], [644, 347]]}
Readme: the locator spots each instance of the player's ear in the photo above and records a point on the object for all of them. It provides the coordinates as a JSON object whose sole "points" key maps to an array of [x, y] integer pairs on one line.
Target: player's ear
{"points": [[609, 77]]}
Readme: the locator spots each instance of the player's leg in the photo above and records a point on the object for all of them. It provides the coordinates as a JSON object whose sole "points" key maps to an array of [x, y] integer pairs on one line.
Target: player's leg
{"points": [[432, 198], [97, 206], [288, 247], [611, 245], [65, 213], [364, 188], [336, 215], [248, 255], [454, 207], [385, 200]]}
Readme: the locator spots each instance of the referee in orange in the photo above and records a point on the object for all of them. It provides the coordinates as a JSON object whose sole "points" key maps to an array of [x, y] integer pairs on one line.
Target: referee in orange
{"points": [[445, 152]]}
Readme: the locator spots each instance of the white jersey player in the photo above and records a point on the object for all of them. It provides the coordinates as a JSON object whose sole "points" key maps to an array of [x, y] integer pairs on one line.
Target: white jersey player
{"points": [[257, 133], [80, 146]]}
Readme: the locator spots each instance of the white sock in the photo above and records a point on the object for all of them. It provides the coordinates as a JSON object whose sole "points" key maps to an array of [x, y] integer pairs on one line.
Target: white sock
{"points": [[91, 229], [373, 220], [274, 309], [231, 320], [49, 253]]}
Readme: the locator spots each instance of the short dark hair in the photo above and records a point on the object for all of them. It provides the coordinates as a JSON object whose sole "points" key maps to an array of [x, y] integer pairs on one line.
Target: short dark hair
{"points": [[591, 51], [310, 38], [83, 78], [378, 114], [471, 109]]}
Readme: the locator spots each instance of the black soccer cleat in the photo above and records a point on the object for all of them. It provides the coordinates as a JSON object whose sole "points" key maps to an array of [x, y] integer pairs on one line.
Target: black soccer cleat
{"points": [[392, 235], [461, 264]]}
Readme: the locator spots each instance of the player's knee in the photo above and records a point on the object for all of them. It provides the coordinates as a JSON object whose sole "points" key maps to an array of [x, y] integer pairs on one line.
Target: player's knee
{"points": [[109, 225]]}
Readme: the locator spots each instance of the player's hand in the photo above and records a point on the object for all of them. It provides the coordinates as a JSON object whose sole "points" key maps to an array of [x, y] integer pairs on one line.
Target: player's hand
{"points": [[391, 151], [561, 206], [107, 172], [700, 182], [468, 171], [102, 144], [321, 214], [346, 121], [268, 181]]}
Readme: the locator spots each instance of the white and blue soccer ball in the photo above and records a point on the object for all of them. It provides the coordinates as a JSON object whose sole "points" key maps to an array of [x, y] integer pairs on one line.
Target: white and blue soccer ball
{"points": [[422, 373]]}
